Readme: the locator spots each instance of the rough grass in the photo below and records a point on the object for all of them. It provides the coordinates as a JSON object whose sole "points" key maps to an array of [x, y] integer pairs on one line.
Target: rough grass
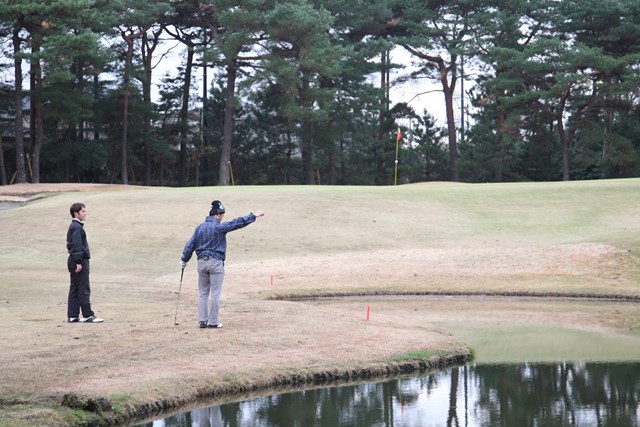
{"points": [[577, 239]]}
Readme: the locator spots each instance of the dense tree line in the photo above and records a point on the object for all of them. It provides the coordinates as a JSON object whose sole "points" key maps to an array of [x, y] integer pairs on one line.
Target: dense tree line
{"points": [[302, 87]]}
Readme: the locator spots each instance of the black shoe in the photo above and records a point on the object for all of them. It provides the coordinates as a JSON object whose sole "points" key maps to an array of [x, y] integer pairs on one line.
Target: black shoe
{"points": [[203, 324], [218, 326]]}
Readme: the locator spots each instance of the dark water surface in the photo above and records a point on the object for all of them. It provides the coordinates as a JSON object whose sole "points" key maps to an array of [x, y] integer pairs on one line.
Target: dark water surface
{"points": [[514, 395]]}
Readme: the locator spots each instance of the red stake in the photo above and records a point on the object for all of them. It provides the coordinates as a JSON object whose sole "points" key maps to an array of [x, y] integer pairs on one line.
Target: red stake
{"points": [[368, 312]]}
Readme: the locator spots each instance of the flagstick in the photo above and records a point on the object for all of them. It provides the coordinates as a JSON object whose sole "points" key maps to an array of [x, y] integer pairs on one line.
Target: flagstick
{"points": [[395, 177]]}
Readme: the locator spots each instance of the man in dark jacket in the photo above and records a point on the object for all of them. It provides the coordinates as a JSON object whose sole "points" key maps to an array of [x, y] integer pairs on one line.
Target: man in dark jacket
{"points": [[209, 241], [78, 266]]}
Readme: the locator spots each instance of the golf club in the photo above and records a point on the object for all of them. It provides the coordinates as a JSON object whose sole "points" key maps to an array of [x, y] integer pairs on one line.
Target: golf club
{"points": [[175, 319]]}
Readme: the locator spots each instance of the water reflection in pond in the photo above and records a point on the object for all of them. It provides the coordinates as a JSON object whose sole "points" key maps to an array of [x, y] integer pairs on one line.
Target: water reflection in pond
{"points": [[519, 395]]}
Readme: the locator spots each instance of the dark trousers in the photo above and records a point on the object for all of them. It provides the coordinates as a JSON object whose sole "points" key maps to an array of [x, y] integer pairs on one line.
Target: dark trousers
{"points": [[79, 291]]}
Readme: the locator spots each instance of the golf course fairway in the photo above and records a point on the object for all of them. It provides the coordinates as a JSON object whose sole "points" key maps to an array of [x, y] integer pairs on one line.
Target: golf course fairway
{"points": [[333, 282]]}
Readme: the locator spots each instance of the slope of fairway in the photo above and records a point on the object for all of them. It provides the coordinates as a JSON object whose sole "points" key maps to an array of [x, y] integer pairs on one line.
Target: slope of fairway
{"points": [[575, 239]]}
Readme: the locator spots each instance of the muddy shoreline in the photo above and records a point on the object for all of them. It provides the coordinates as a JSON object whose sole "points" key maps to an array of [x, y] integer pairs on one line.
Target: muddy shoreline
{"points": [[467, 296], [104, 414]]}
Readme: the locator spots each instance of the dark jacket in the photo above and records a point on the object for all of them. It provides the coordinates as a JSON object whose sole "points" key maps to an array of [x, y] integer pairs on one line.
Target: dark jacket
{"points": [[77, 244]]}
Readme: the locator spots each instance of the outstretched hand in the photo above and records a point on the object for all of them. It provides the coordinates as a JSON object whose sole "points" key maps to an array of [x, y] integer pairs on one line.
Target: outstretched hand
{"points": [[259, 213]]}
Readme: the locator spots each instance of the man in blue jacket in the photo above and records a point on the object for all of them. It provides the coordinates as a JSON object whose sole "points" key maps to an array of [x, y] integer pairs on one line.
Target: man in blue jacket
{"points": [[78, 266], [209, 241]]}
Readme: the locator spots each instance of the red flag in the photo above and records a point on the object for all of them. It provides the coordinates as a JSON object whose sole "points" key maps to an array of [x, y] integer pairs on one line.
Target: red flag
{"points": [[399, 137]]}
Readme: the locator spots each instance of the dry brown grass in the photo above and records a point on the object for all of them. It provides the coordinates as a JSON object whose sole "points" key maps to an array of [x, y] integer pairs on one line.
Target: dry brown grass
{"points": [[312, 241]]}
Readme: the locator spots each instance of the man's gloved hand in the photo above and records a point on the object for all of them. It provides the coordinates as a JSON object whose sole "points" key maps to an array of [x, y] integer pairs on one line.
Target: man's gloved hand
{"points": [[182, 264]]}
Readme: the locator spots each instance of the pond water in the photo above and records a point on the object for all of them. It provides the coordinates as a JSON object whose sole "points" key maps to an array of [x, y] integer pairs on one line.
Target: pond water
{"points": [[500, 395], [5, 206]]}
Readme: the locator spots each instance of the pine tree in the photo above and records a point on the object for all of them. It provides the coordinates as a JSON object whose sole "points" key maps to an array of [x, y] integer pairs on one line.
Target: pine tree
{"points": [[438, 34], [302, 56], [13, 14]]}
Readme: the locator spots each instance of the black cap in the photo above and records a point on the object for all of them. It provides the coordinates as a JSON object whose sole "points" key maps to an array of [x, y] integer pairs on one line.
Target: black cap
{"points": [[216, 208]]}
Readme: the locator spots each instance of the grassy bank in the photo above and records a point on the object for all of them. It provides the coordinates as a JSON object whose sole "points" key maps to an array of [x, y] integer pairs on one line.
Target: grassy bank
{"points": [[578, 238]]}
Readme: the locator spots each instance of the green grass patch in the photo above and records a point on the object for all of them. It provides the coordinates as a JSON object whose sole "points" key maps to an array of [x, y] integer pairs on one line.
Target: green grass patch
{"points": [[421, 355], [546, 343], [29, 415]]}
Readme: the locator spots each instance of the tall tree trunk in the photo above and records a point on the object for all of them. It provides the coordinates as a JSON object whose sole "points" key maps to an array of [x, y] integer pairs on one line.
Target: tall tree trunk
{"points": [[147, 55], [148, 47], [37, 131], [501, 141], [3, 170], [184, 118], [328, 138], [204, 125], [307, 132], [79, 134], [289, 154], [125, 131], [448, 76], [343, 165], [307, 148], [96, 97], [564, 139], [331, 146], [21, 176], [229, 102], [448, 89], [384, 104], [125, 109]]}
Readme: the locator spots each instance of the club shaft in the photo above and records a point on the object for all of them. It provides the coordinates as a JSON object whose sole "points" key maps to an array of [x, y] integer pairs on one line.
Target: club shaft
{"points": [[175, 319]]}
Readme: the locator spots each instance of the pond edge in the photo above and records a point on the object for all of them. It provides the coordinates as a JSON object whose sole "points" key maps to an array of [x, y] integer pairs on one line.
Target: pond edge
{"points": [[103, 412]]}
